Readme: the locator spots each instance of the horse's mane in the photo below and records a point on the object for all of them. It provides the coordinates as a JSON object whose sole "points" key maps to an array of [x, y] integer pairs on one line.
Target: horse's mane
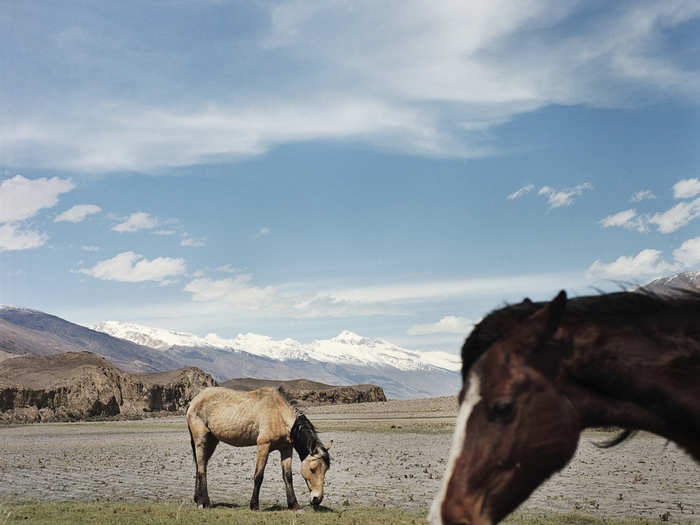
{"points": [[305, 440], [613, 309], [630, 308]]}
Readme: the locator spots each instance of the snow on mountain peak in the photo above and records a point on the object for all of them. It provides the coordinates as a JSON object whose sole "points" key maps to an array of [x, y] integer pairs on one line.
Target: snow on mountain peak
{"points": [[352, 338], [346, 348], [158, 338]]}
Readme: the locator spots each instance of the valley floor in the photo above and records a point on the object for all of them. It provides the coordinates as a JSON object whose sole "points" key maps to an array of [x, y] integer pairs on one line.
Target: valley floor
{"points": [[388, 456]]}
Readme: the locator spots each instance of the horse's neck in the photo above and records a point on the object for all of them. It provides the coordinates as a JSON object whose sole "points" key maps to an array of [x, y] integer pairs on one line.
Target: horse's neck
{"points": [[639, 381]]}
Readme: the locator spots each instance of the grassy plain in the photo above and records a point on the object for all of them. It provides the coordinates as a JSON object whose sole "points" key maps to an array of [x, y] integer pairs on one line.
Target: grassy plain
{"points": [[44, 513], [129, 472]]}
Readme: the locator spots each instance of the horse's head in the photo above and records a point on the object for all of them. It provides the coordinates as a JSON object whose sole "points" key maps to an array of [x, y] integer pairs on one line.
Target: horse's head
{"points": [[313, 470], [513, 429]]}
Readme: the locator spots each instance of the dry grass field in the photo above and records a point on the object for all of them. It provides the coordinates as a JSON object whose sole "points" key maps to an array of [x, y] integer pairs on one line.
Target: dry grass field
{"points": [[387, 462]]}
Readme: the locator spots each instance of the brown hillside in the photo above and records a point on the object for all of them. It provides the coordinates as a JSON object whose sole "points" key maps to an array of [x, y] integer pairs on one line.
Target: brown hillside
{"points": [[305, 392], [80, 385]]}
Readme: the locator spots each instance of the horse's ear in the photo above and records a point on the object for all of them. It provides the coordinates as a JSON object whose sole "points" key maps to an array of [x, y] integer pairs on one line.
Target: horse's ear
{"points": [[328, 445], [546, 320], [527, 301]]}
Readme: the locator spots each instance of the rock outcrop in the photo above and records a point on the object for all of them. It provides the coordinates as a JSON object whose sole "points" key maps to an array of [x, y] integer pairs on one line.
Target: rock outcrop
{"points": [[304, 392], [82, 385]]}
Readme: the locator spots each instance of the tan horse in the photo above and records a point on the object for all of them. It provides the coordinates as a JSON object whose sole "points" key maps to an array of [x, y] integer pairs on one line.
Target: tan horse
{"points": [[263, 418]]}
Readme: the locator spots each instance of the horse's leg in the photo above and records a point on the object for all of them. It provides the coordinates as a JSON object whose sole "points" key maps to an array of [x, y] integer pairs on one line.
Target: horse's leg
{"points": [[286, 457], [203, 445], [260, 462]]}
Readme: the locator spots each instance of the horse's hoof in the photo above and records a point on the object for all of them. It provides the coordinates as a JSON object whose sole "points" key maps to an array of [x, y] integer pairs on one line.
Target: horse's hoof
{"points": [[254, 506], [295, 506]]}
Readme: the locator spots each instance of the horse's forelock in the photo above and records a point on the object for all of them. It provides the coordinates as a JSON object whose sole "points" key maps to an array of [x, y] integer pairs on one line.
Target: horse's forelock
{"points": [[324, 455]]}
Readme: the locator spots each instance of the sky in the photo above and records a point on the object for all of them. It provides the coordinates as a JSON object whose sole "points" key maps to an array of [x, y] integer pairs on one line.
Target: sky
{"points": [[299, 168]]}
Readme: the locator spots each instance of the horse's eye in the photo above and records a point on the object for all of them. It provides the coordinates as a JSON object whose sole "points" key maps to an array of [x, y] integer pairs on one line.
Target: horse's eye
{"points": [[503, 410]]}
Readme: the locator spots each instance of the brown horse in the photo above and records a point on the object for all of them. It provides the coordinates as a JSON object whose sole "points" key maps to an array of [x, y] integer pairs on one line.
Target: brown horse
{"points": [[536, 374], [263, 418]]}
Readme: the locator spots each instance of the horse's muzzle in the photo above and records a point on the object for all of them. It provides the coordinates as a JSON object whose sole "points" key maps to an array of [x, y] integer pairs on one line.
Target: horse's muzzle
{"points": [[316, 501]]}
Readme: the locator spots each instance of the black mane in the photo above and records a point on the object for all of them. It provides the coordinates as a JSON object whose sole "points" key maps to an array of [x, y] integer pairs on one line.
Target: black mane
{"points": [[631, 308], [305, 440]]}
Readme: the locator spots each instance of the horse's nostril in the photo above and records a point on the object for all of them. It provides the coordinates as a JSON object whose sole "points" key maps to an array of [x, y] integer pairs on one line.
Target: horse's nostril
{"points": [[316, 501]]}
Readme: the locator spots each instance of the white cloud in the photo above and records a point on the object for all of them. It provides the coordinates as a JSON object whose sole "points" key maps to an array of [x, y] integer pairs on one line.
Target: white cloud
{"points": [[236, 292], [688, 254], [642, 195], [678, 216], [310, 301], [522, 191], [90, 248], [646, 262], [78, 213], [135, 222], [447, 325], [423, 75], [165, 232], [505, 287], [132, 267], [12, 238], [226, 268], [195, 243], [263, 231], [627, 219], [686, 188], [22, 198], [565, 196]]}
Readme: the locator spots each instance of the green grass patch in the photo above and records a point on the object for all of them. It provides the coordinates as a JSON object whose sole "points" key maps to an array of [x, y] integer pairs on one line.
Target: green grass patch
{"points": [[187, 513], [76, 513]]}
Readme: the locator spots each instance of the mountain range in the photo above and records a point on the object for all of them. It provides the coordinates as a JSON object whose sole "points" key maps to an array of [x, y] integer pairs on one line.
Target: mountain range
{"points": [[344, 360]]}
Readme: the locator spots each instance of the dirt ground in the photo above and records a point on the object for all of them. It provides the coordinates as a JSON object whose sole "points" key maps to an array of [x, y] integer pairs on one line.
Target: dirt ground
{"points": [[389, 454]]}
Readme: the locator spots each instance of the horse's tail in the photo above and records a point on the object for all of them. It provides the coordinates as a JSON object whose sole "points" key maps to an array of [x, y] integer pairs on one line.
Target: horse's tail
{"points": [[194, 451]]}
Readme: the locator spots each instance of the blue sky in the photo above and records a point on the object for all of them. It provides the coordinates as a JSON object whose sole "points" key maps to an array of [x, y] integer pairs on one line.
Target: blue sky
{"points": [[296, 169]]}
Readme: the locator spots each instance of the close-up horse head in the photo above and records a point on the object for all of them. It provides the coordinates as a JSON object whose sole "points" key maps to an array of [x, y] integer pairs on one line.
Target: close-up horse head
{"points": [[513, 429], [534, 375]]}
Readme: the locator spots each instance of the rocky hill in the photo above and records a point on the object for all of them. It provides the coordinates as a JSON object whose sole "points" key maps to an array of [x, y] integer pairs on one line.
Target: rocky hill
{"points": [[304, 392], [80, 385]]}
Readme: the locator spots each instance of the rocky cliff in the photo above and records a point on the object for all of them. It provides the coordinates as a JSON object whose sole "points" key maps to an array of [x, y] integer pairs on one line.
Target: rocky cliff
{"points": [[80, 385], [304, 392]]}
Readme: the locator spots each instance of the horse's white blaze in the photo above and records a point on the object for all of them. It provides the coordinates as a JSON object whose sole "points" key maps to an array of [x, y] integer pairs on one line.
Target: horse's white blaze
{"points": [[470, 400]]}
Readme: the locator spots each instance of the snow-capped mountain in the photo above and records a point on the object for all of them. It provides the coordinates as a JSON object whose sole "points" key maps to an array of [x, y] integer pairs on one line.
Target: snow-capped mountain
{"points": [[148, 336], [346, 348], [680, 281]]}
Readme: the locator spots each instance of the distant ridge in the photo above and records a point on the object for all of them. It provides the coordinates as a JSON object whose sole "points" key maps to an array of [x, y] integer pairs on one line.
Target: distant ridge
{"points": [[305, 392], [25, 332]]}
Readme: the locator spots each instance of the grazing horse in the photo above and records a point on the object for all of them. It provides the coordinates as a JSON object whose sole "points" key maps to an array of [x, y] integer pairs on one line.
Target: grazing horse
{"points": [[263, 418], [536, 374]]}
